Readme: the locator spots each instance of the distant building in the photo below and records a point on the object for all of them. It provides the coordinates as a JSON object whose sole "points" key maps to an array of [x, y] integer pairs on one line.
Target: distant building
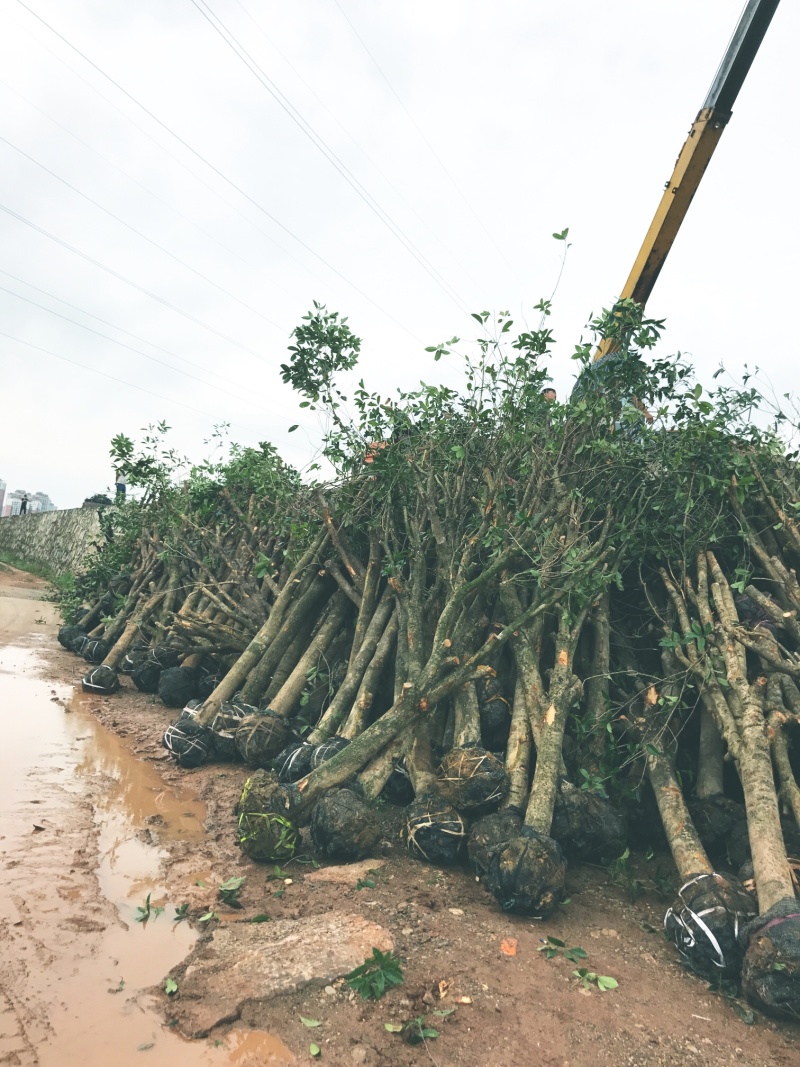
{"points": [[36, 502], [2, 495]]}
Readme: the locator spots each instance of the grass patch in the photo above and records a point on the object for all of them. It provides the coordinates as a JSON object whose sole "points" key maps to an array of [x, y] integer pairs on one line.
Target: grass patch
{"points": [[39, 569]]}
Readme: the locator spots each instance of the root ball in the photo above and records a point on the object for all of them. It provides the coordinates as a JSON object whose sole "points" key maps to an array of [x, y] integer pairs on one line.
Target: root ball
{"points": [[433, 830], [343, 828], [472, 779], [294, 762], [771, 968], [100, 679], [528, 875], [189, 744], [95, 650], [260, 737], [704, 924], [491, 834], [266, 833], [587, 826], [67, 635], [327, 750], [177, 686]]}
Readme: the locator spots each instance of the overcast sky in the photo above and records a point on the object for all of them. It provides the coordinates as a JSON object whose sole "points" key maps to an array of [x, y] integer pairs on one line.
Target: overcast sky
{"points": [[404, 163]]}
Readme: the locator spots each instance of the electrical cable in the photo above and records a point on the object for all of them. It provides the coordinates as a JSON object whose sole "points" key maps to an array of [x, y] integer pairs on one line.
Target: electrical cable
{"points": [[216, 23], [128, 281], [138, 351], [221, 175]]}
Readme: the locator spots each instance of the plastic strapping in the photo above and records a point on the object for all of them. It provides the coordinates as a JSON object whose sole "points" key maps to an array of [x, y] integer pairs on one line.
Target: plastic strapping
{"points": [[682, 919]]}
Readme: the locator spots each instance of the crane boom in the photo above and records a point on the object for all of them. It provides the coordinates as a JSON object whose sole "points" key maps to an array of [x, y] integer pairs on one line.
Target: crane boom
{"points": [[696, 153]]}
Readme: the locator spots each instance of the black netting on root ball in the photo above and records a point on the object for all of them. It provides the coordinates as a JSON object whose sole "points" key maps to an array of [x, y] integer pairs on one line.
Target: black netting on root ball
{"points": [[95, 650], [705, 921], [490, 835], [528, 875], [260, 737], [265, 829], [147, 675], [79, 643], [206, 684], [472, 779], [495, 714], [100, 679], [294, 762], [177, 686], [165, 657], [343, 827], [398, 788], [189, 743], [67, 635], [587, 826], [327, 750], [771, 968], [132, 659], [433, 830]]}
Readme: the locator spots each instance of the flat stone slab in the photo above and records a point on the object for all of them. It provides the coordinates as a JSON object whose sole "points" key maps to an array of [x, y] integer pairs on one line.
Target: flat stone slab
{"points": [[346, 874], [243, 963]]}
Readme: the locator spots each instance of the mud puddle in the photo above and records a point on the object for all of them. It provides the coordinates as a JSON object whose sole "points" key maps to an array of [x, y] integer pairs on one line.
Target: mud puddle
{"points": [[85, 828]]}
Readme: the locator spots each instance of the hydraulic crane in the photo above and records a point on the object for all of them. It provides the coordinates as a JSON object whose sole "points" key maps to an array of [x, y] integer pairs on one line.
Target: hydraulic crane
{"points": [[694, 157]]}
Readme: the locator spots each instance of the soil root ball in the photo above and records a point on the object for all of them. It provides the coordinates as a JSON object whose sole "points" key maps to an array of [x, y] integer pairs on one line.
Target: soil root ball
{"points": [[79, 643], [131, 660], [146, 676], [95, 650], [343, 827], [528, 875], [189, 743], [101, 679], [223, 729], [294, 762], [704, 924], [472, 779], [491, 834], [260, 737], [587, 826], [494, 712], [327, 750], [433, 830], [265, 831], [67, 636], [177, 686], [714, 818], [771, 968], [398, 789], [206, 685]]}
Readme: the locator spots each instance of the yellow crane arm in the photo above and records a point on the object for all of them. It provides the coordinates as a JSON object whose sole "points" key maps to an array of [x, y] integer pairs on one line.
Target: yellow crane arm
{"points": [[696, 153]]}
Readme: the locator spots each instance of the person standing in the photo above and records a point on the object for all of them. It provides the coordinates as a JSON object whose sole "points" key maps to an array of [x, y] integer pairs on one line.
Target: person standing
{"points": [[121, 486], [23, 504]]}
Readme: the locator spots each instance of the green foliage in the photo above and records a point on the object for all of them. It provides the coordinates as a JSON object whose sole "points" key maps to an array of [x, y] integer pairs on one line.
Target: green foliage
{"points": [[601, 981], [144, 911], [553, 947], [229, 891], [378, 973]]}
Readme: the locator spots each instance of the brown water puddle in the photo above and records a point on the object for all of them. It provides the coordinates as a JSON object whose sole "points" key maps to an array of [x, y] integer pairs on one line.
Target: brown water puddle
{"points": [[84, 830]]}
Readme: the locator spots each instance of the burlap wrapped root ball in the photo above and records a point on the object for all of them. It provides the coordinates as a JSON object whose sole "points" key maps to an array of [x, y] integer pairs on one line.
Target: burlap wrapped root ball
{"points": [[771, 967], [264, 827], [177, 686], [433, 830], [704, 924], [490, 835], [343, 828], [260, 737], [472, 779], [294, 762], [102, 679], [588, 827], [527, 876]]}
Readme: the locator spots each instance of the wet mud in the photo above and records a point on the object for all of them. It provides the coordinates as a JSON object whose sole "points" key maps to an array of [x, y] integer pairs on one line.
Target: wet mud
{"points": [[86, 830]]}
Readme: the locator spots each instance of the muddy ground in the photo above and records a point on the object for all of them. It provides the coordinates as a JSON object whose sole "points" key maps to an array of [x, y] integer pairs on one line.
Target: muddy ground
{"points": [[80, 940]]}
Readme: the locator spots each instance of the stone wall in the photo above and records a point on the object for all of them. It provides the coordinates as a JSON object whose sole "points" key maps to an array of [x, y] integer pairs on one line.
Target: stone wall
{"points": [[58, 540]]}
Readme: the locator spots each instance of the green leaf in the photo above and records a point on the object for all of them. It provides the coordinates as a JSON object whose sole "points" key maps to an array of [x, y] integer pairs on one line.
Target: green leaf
{"points": [[605, 981], [315, 1050], [393, 1028], [263, 918], [209, 915], [170, 987], [293, 428], [309, 1022]]}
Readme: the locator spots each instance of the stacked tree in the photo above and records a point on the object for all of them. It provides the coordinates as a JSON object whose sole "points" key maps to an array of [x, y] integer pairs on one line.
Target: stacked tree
{"points": [[524, 621]]}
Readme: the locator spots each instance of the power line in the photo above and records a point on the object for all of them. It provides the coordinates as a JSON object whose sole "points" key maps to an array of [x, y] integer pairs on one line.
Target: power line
{"points": [[220, 174], [104, 374], [137, 351], [128, 281], [139, 233], [430, 147], [239, 50]]}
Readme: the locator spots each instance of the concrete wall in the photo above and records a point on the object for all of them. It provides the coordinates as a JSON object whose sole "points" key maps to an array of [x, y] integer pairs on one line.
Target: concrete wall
{"points": [[55, 539]]}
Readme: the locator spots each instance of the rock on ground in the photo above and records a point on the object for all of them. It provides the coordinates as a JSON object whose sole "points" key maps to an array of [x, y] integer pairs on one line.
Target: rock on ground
{"points": [[245, 962]]}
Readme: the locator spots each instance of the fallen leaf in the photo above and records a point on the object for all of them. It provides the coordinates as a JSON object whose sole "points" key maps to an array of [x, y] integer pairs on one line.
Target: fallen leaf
{"points": [[310, 1022], [315, 1050], [463, 1000], [508, 946], [443, 987], [393, 1028]]}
